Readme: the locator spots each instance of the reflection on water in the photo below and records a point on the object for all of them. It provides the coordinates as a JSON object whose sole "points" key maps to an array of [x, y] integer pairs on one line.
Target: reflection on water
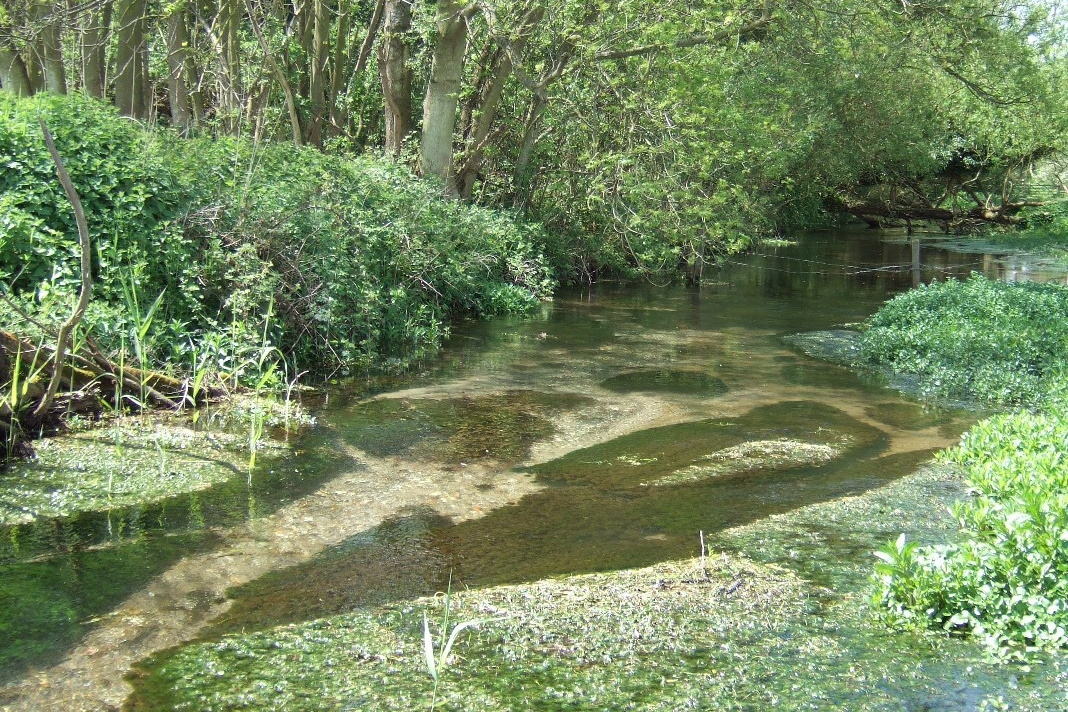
{"points": [[643, 414]]}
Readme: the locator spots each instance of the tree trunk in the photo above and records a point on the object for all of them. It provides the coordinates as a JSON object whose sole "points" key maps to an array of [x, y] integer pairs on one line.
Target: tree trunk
{"points": [[340, 62], [442, 94], [94, 42], [318, 56], [177, 61], [131, 55], [13, 75], [396, 75], [522, 174], [228, 22], [280, 75], [485, 114], [50, 18], [369, 38]]}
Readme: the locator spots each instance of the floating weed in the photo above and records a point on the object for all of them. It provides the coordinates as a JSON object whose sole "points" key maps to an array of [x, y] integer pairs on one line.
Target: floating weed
{"points": [[598, 641], [760, 455]]}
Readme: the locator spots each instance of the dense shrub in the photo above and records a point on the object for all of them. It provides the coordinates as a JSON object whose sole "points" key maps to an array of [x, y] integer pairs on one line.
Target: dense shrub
{"points": [[363, 262], [214, 252], [132, 199], [977, 339], [1006, 581]]}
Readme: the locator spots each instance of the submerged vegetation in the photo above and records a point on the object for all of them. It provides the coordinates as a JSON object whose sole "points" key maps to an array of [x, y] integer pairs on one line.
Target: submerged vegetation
{"points": [[782, 627]]}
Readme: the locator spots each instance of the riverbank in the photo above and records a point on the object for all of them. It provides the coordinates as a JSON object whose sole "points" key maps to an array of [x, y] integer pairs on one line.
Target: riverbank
{"points": [[210, 265]]}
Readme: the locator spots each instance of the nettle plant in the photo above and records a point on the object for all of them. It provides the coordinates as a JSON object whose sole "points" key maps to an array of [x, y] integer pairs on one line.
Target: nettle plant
{"points": [[1006, 580]]}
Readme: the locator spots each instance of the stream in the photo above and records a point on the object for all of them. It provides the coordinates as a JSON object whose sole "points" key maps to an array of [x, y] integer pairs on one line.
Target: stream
{"points": [[604, 432]]}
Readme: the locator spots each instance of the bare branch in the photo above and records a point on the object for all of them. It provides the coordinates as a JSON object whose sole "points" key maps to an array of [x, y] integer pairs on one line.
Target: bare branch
{"points": [[65, 330]]}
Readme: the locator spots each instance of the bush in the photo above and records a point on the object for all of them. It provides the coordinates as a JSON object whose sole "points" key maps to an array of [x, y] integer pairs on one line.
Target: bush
{"points": [[133, 201], [212, 253], [364, 262], [1007, 580], [978, 339]]}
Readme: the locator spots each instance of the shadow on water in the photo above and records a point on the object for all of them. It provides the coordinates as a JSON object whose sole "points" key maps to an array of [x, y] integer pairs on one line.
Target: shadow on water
{"points": [[602, 509], [58, 575], [714, 355], [499, 426]]}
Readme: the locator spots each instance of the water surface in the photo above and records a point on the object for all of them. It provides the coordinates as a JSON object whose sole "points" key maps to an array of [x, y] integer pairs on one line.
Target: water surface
{"points": [[676, 412], [604, 432]]}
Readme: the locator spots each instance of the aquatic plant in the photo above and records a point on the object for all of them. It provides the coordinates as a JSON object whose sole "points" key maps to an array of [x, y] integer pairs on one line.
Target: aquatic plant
{"points": [[436, 662], [976, 339], [1006, 580]]}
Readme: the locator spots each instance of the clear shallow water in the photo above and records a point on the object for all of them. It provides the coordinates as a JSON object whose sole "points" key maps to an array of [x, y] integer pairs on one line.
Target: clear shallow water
{"points": [[707, 372], [600, 401]]}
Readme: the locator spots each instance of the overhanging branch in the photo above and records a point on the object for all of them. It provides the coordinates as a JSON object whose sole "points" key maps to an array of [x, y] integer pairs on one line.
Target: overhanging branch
{"points": [[750, 28]]}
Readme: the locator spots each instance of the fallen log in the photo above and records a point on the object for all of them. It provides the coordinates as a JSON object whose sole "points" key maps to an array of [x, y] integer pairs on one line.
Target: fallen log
{"points": [[875, 213], [88, 386], [114, 381]]}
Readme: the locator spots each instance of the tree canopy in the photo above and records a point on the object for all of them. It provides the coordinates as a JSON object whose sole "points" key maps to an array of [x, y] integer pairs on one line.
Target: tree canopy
{"points": [[650, 133]]}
